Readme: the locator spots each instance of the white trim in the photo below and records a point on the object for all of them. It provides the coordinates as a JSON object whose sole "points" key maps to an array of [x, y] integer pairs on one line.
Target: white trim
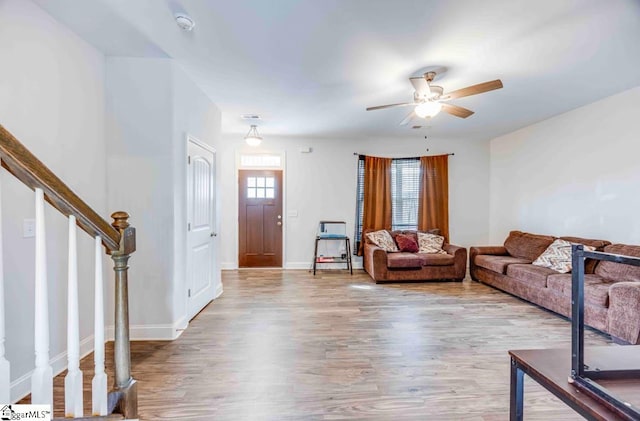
{"points": [[164, 332], [21, 387], [200, 143], [229, 265], [219, 291], [308, 265], [283, 169]]}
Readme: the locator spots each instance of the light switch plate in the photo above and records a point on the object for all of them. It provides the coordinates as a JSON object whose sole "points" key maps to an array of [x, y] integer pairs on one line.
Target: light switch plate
{"points": [[28, 228], [292, 213]]}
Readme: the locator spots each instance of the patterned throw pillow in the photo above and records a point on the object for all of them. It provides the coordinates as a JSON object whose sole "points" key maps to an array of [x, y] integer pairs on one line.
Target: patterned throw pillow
{"points": [[383, 240], [558, 256], [407, 243], [430, 243]]}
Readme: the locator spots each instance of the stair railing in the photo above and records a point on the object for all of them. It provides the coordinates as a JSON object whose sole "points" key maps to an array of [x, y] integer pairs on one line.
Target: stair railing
{"points": [[118, 240]]}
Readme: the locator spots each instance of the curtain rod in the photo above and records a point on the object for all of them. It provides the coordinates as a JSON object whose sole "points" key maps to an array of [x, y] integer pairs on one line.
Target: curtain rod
{"points": [[450, 154]]}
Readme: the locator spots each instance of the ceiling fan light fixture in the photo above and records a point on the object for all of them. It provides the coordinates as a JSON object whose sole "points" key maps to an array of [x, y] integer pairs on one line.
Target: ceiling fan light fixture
{"points": [[428, 109], [253, 138]]}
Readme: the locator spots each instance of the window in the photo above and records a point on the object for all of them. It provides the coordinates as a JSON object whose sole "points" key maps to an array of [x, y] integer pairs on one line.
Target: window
{"points": [[260, 188], [260, 161], [405, 186], [405, 192]]}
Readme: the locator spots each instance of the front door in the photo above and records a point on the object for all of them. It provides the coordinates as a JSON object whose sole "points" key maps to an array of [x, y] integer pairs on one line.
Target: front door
{"points": [[260, 218], [201, 207]]}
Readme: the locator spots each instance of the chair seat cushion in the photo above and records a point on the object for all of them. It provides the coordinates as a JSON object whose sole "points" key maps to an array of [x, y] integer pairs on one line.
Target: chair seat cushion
{"points": [[596, 289], [497, 263], [430, 259], [404, 260], [530, 274]]}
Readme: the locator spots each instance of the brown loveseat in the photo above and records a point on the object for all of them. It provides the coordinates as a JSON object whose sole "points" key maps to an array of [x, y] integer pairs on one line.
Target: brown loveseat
{"points": [[612, 290], [385, 266]]}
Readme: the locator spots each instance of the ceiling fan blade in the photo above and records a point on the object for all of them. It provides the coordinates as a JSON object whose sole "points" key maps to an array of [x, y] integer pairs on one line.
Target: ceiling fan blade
{"points": [[456, 110], [380, 107], [421, 85], [408, 118], [475, 89]]}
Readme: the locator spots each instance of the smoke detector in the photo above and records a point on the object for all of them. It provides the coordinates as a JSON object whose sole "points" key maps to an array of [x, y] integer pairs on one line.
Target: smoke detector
{"points": [[184, 21]]}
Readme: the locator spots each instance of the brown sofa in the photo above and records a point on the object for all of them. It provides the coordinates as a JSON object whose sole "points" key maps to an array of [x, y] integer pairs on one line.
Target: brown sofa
{"points": [[612, 290], [401, 267]]}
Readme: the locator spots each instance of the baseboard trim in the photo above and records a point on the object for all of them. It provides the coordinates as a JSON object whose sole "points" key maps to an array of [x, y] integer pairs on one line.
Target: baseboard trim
{"points": [[219, 291], [165, 332], [307, 265], [21, 387], [228, 266]]}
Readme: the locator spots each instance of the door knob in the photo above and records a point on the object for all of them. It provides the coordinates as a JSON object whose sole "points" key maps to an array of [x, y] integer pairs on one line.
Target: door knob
{"points": [[278, 223], [279, 216]]}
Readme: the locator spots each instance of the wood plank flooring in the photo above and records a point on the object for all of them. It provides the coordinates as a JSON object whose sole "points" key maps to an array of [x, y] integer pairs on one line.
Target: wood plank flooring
{"points": [[285, 345]]}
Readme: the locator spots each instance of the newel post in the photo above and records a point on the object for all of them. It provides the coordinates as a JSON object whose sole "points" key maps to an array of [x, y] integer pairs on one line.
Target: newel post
{"points": [[125, 385]]}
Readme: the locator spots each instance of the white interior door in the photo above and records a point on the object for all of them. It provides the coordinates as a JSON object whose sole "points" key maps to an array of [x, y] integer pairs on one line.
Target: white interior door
{"points": [[201, 233]]}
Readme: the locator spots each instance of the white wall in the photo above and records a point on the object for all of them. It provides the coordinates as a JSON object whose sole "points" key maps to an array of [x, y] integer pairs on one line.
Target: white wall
{"points": [[322, 185], [52, 100], [574, 174], [139, 150], [193, 114], [151, 106]]}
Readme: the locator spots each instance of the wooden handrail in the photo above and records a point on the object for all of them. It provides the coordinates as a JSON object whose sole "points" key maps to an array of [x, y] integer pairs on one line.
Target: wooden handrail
{"points": [[17, 159]]}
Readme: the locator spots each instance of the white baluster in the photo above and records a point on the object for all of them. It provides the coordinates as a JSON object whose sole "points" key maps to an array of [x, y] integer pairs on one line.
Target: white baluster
{"points": [[99, 382], [73, 380], [5, 368], [42, 378]]}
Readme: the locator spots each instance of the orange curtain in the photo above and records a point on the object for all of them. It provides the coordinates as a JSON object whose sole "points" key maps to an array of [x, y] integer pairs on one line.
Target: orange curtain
{"points": [[433, 207], [376, 211]]}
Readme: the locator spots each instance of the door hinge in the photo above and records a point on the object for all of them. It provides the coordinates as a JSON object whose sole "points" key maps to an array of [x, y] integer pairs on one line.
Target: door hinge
{"points": [[189, 159], [189, 292], [189, 226]]}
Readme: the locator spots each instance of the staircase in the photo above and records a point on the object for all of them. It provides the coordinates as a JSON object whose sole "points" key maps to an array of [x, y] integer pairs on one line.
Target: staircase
{"points": [[118, 240]]}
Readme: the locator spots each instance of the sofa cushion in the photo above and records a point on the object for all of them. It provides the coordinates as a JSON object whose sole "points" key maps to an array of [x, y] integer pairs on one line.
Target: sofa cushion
{"points": [[596, 289], [530, 274], [407, 243], [430, 243], [383, 240], [412, 233], [618, 271], [432, 259], [497, 263], [404, 260], [558, 256], [589, 264], [525, 245]]}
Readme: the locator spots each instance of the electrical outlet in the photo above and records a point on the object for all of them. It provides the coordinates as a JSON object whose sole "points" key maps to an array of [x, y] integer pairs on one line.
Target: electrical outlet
{"points": [[28, 228]]}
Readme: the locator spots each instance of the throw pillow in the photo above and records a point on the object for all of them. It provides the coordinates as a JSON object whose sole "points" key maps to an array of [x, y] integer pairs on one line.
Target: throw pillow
{"points": [[430, 243], [407, 243], [558, 256], [383, 240]]}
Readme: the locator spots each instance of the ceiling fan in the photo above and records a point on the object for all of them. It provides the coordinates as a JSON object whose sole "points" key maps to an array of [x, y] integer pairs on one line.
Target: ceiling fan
{"points": [[429, 100]]}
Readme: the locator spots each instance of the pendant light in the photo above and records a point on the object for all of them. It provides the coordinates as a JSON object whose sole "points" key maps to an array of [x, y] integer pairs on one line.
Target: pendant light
{"points": [[253, 138]]}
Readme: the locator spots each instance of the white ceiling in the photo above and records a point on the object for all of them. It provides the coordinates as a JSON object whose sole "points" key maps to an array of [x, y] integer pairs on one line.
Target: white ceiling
{"points": [[311, 67]]}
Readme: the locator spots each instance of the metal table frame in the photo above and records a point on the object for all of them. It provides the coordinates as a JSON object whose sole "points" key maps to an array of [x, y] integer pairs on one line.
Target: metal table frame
{"points": [[581, 376], [584, 378]]}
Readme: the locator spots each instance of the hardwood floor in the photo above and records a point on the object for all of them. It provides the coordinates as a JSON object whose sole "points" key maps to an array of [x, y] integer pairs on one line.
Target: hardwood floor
{"points": [[285, 345]]}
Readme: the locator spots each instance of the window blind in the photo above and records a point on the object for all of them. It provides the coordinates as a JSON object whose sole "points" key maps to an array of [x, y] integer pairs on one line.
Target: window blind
{"points": [[405, 192]]}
